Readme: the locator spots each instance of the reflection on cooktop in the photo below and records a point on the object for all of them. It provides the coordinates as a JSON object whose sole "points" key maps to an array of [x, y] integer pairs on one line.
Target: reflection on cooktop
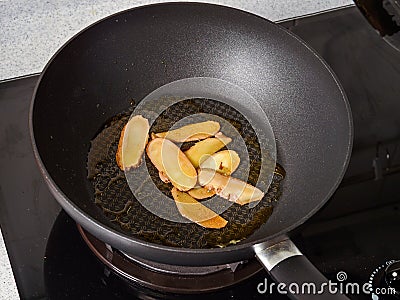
{"points": [[71, 271]]}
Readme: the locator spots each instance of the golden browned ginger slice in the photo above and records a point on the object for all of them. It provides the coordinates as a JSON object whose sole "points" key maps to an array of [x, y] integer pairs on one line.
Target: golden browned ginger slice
{"points": [[201, 150], [191, 132], [197, 212], [224, 162], [230, 188], [201, 193], [172, 163], [132, 142], [163, 177]]}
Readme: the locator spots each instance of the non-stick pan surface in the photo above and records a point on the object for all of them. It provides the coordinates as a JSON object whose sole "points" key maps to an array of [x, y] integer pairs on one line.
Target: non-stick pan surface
{"points": [[128, 55]]}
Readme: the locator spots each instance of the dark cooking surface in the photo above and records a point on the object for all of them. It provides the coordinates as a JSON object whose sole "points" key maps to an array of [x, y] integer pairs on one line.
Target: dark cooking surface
{"points": [[356, 232]]}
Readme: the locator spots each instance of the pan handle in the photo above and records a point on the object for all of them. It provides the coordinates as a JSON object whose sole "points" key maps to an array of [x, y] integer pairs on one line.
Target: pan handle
{"points": [[292, 270]]}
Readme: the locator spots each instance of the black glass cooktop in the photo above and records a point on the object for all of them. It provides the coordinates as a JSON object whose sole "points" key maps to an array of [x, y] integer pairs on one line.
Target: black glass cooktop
{"points": [[355, 233]]}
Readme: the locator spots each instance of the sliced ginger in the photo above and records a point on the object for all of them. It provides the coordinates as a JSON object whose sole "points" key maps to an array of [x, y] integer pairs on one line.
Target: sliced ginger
{"points": [[179, 168], [163, 177], [229, 188], [224, 162], [132, 142], [197, 212], [191, 132], [203, 149], [201, 193], [172, 163]]}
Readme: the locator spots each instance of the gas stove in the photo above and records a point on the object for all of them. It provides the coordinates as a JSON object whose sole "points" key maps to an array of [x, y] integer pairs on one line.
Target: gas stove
{"points": [[352, 239]]}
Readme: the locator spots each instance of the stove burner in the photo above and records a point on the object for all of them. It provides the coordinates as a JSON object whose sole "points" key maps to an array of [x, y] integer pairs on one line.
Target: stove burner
{"points": [[168, 278], [181, 270]]}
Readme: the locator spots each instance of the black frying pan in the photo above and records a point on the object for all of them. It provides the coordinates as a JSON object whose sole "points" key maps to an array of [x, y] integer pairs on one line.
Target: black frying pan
{"points": [[130, 54]]}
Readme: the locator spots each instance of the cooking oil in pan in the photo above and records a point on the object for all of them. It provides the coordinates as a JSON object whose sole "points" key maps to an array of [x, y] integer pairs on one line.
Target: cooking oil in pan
{"points": [[114, 197]]}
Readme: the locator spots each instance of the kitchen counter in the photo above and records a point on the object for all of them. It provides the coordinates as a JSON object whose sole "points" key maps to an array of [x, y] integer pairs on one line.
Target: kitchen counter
{"points": [[8, 288], [31, 32]]}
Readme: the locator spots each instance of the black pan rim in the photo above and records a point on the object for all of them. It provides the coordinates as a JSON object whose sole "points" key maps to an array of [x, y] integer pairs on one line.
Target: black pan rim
{"points": [[87, 221]]}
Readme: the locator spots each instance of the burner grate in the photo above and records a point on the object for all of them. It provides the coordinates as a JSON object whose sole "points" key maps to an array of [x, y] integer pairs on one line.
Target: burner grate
{"points": [[167, 278]]}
